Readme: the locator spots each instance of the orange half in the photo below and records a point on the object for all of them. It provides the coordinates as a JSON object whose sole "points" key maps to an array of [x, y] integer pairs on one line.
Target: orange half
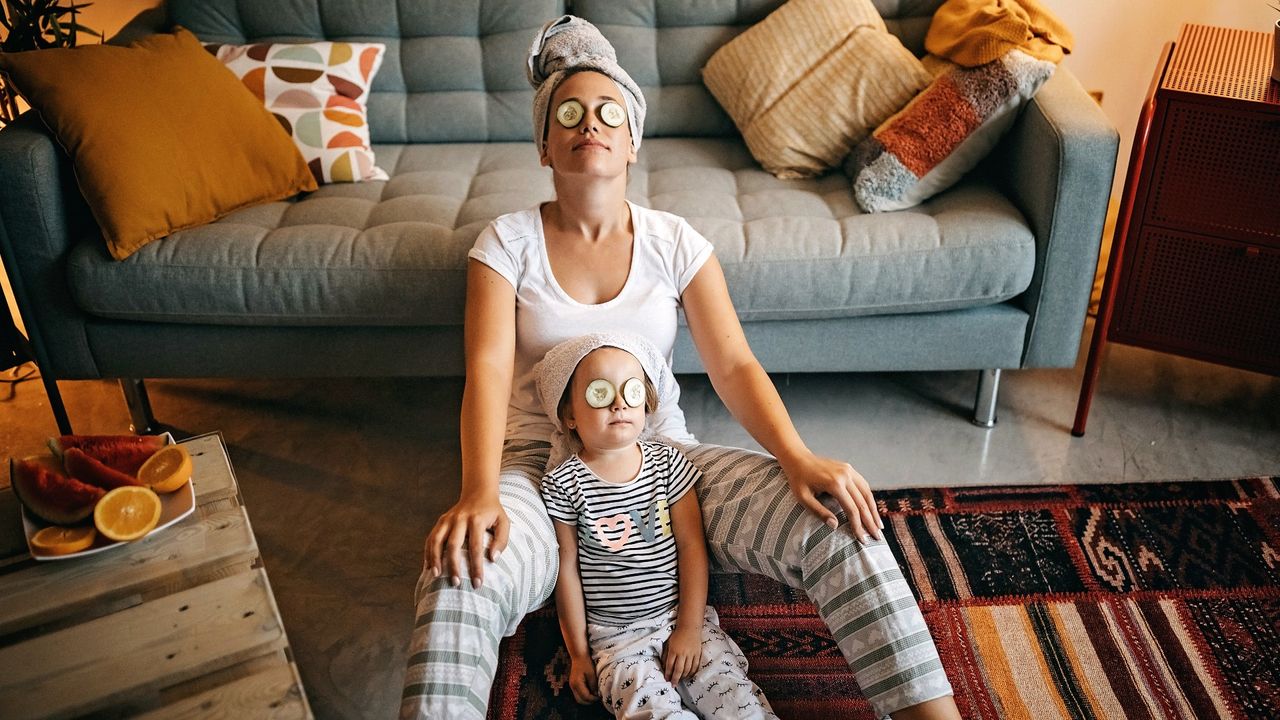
{"points": [[167, 470], [127, 513], [58, 540]]}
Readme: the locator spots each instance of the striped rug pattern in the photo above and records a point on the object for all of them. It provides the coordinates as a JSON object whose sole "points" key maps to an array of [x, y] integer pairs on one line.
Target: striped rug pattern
{"points": [[1068, 601]]}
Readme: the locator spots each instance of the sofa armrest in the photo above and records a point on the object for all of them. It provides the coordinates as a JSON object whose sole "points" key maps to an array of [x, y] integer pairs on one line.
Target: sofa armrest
{"points": [[1056, 165], [41, 214]]}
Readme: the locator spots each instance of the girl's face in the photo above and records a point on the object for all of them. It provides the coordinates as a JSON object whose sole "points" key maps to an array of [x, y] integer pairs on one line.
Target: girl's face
{"points": [[587, 128], [617, 423]]}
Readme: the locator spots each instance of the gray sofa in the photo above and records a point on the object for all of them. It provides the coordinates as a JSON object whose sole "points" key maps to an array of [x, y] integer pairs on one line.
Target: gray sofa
{"points": [[369, 279]]}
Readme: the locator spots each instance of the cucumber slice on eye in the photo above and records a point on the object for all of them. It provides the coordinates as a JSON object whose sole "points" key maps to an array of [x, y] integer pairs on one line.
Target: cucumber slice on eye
{"points": [[600, 393], [633, 392], [612, 114], [570, 113]]}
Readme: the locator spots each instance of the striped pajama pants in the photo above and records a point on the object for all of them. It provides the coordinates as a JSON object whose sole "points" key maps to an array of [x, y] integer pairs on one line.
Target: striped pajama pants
{"points": [[753, 524]]}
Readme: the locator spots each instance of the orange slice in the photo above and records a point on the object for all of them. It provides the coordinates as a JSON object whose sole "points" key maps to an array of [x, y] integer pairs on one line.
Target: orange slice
{"points": [[167, 470], [127, 513], [57, 540]]}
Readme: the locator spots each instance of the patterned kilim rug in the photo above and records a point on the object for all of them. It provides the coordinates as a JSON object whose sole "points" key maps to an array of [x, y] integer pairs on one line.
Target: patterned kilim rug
{"points": [[1069, 601]]}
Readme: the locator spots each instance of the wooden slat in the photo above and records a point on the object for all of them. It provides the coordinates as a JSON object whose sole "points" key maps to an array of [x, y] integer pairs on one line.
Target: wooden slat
{"points": [[174, 558], [106, 661], [211, 473], [273, 692]]}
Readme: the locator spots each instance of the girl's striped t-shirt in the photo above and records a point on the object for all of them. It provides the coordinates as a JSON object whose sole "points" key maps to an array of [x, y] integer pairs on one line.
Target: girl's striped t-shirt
{"points": [[626, 547]]}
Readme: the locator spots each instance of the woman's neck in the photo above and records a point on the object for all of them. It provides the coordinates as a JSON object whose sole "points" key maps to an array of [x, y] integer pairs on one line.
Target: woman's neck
{"points": [[593, 210]]}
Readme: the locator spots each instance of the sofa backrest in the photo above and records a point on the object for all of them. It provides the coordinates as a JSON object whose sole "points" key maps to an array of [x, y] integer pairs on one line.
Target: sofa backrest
{"points": [[454, 69]]}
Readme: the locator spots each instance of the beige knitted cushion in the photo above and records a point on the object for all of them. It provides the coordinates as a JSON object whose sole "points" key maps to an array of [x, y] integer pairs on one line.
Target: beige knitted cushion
{"points": [[810, 81]]}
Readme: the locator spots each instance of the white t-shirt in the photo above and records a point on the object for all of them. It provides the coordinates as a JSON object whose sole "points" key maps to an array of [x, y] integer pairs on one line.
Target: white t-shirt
{"points": [[626, 545], [666, 253]]}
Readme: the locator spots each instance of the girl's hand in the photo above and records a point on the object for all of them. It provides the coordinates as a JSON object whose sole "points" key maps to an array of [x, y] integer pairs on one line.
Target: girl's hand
{"points": [[682, 656], [811, 476], [582, 680], [462, 528]]}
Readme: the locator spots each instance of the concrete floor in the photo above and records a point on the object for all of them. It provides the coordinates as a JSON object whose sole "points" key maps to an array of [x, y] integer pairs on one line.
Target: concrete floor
{"points": [[343, 478]]}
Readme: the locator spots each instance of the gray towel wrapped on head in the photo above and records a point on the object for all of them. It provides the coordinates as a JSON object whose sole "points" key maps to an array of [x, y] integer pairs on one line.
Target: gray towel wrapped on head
{"points": [[570, 43], [553, 372]]}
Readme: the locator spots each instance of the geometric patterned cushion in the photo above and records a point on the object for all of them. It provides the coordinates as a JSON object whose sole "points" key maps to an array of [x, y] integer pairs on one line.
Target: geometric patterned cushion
{"points": [[318, 93]]}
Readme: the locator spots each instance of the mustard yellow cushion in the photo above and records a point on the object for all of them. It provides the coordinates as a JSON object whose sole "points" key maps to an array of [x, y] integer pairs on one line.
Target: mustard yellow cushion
{"points": [[812, 79], [162, 136]]}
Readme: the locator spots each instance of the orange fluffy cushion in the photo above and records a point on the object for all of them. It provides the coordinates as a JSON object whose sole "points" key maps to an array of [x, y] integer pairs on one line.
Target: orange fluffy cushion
{"points": [[162, 136]]}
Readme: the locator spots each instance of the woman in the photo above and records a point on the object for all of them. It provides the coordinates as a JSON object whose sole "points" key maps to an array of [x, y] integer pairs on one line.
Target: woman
{"points": [[589, 261]]}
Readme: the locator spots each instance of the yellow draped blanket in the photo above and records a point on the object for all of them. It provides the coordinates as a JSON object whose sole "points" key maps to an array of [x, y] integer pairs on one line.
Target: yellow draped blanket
{"points": [[975, 32]]}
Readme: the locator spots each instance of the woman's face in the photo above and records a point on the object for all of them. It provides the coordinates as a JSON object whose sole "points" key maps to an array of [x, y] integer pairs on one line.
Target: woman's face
{"points": [[592, 146], [617, 423]]}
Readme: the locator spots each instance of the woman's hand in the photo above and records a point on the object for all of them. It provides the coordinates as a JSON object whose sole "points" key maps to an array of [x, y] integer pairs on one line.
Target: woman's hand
{"points": [[682, 656], [811, 476], [462, 528]]}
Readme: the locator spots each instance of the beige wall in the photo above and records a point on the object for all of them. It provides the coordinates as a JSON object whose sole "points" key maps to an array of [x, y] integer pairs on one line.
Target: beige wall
{"points": [[108, 16], [1118, 43]]}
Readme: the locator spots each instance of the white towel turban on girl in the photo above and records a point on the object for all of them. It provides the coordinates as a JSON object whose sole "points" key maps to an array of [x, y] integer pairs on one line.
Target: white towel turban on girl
{"points": [[555, 369], [570, 43]]}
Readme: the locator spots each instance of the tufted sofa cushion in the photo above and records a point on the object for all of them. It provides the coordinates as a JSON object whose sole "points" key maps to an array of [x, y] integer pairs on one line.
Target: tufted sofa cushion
{"points": [[394, 253], [454, 69], [453, 72]]}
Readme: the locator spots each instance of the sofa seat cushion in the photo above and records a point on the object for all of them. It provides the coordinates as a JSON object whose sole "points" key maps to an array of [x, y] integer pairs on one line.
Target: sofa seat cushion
{"points": [[395, 252]]}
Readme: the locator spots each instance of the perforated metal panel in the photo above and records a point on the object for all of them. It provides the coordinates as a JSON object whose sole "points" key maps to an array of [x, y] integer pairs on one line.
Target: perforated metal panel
{"points": [[1218, 172], [1203, 296], [1222, 62]]}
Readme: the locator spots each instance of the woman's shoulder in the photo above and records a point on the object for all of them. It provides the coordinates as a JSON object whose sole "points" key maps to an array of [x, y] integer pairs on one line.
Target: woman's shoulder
{"points": [[515, 226], [659, 223]]}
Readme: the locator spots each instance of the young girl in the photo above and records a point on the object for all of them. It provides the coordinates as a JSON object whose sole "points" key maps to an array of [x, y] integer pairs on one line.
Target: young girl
{"points": [[632, 551]]}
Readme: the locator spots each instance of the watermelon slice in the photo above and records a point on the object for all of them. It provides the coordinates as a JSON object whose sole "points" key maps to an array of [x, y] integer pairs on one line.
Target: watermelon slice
{"points": [[50, 495], [124, 453], [85, 468]]}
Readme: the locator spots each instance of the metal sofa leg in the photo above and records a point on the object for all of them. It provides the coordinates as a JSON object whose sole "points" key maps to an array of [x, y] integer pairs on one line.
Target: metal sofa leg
{"points": [[135, 396], [984, 406], [55, 403]]}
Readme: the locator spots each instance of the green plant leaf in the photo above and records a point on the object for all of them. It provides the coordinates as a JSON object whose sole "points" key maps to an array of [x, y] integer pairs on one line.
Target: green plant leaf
{"points": [[40, 24]]}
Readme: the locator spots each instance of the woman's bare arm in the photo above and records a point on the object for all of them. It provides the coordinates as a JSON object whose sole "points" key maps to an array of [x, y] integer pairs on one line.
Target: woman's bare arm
{"points": [[745, 388], [490, 341]]}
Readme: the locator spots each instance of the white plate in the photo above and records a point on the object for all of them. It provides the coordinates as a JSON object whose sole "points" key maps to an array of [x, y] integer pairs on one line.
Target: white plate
{"points": [[173, 507]]}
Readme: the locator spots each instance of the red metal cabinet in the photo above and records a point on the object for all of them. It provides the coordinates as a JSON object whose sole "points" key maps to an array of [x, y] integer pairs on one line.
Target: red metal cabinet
{"points": [[1195, 261]]}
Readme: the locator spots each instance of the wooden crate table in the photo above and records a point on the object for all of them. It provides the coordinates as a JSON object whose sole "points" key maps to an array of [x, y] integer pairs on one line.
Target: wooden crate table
{"points": [[179, 624]]}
